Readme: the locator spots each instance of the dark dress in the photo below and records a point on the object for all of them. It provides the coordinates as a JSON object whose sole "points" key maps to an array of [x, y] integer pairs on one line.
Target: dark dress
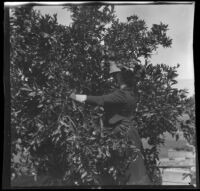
{"points": [[119, 108]]}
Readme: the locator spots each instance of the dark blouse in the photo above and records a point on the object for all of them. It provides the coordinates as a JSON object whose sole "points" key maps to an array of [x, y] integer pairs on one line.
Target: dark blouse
{"points": [[118, 105]]}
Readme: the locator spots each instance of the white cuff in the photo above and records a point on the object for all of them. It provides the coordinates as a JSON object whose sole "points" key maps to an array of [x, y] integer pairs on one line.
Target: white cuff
{"points": [[81, 98]]}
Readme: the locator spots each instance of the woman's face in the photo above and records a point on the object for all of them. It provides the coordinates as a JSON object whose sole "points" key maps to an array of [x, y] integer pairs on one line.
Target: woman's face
{"points": [[117, 78], [116, 74]]}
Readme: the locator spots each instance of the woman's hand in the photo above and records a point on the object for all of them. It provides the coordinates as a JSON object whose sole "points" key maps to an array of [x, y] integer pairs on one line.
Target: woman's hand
{"points": [[78, 97]]}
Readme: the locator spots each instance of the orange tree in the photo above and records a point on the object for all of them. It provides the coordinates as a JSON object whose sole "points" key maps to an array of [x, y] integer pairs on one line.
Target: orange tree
{"points": [[188, 125], [55, 136]]}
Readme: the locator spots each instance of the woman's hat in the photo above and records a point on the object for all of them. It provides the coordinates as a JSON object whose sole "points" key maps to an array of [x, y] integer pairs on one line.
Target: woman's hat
{"points": [[114, 68], [118, 67]]}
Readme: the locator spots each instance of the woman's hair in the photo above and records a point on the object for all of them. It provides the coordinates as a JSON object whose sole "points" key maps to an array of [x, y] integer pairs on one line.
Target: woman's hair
{"points": [[111, 58], [128, 78]]}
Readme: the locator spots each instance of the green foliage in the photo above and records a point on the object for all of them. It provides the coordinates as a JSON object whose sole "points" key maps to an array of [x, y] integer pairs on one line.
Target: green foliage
{"points": [[188, 124], [48, 61], [132, 39]]}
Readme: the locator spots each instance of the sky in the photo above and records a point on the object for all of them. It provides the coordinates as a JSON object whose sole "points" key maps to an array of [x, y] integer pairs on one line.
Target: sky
{"points": [[180, 20]]}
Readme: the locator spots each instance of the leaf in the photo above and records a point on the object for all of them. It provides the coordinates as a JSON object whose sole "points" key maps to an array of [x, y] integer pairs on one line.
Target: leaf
{"points": [[92, 138], [32, 94], [174, 82], [108, 153], [80, 166], [45, 35], [50, 77], [64, 124], [57, 139], [83, 175], [157, 77], [148, 115], [26, 89], [39, 106]]}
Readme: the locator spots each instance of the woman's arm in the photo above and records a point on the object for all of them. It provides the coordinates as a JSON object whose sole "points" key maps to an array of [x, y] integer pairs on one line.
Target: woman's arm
{"points": [[116, 97]]}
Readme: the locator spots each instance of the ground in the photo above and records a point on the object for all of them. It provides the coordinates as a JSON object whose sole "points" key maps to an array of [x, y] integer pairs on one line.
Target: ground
{"points": [[170, 157]]}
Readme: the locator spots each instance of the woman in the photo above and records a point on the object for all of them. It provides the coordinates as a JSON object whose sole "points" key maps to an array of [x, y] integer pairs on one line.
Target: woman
{"points": [[119, 108]]}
